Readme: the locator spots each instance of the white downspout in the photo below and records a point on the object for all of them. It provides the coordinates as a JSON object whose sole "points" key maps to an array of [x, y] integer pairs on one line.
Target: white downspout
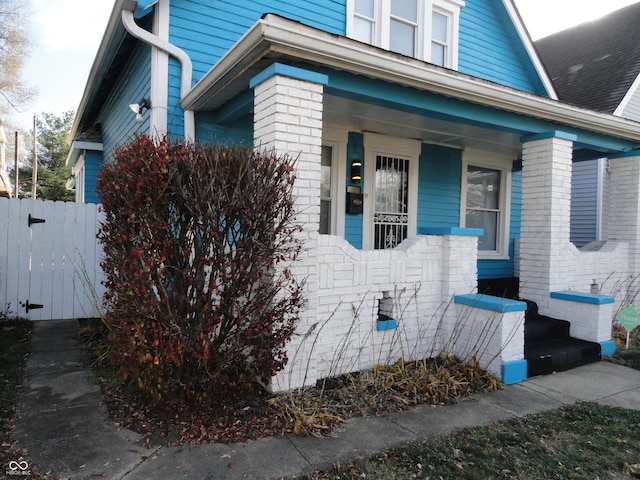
{"points": [[132, 27]]}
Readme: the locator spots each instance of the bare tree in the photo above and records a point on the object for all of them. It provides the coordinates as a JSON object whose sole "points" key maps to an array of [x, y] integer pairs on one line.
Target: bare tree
{"points": [[15, 46]]}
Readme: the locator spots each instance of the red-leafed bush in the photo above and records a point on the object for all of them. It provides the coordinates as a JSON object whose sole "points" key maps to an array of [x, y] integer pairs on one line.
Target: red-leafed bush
{"points": [[198, 240]]}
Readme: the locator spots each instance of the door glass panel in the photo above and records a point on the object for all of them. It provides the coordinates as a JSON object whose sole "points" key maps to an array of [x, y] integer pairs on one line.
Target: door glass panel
{"points": [[391, 209]]}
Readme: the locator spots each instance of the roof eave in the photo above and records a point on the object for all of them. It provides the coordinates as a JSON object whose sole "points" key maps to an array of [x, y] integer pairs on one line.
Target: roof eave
{"points": [[111, 40], [277, 35]]}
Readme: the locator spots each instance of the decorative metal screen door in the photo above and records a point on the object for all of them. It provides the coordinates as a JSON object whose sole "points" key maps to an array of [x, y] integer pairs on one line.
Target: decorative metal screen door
{"points": [[391, 209]]}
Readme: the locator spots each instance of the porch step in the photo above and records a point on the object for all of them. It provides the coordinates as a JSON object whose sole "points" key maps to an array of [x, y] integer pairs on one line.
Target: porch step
{"points": [[545, 357], [549, 348]]}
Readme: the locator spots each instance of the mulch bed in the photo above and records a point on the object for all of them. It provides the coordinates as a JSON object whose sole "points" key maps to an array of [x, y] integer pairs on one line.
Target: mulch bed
{"points": [[319, 410]]}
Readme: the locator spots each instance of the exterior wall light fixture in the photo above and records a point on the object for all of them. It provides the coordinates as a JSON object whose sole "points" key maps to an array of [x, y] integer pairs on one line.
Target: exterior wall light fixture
{"points": [[139, 107]]}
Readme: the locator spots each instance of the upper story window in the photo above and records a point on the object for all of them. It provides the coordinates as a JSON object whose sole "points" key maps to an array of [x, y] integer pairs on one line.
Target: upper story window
{"points": [[423, 29]]}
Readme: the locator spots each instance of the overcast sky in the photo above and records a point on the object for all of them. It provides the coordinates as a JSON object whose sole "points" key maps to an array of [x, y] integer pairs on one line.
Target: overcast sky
{"points": [[67, 33]]}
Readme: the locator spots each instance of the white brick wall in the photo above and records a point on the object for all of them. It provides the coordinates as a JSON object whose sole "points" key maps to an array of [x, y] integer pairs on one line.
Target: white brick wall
{"points": [[288, 119], [337, 332], [546, 201], [421, 275], [548, 261], [491, 337]]}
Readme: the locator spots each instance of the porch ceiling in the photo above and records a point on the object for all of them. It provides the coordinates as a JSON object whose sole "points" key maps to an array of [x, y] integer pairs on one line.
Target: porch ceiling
{"points": [[361, 116]]}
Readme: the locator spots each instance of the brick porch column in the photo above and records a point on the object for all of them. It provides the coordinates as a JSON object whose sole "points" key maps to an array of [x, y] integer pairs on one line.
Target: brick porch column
{"points": [[288, 118], [546, 206], [624, 206]]}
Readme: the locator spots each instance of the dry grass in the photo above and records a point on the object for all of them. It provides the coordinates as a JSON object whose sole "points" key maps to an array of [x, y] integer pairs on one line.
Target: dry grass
{"points": [[318, 410]]}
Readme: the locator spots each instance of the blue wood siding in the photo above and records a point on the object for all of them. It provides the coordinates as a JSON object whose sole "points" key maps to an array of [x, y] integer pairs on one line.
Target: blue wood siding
{"points": [[207, 29], [488, 269], [353, 223], [490, 47], [92, 165], [240, 132], [439, 183], [116, 119]]}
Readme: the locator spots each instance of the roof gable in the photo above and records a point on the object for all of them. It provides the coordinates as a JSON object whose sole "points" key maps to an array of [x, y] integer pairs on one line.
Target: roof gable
{"points": [[594, 64], [495, 46]]}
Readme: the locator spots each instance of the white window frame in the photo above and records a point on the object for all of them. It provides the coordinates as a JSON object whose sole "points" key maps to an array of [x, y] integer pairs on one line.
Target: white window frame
{"points": [[374, 145], [78, 172], [503, 164], [337, 140], [381, 29]]}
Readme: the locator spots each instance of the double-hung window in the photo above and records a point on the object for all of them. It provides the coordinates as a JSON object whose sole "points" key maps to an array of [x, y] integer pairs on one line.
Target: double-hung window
{"points": [[423, 29], [486, 187]]}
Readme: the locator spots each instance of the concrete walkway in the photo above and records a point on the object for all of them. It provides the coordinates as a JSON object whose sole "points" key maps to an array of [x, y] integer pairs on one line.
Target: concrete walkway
{"points": [[65, 428]]}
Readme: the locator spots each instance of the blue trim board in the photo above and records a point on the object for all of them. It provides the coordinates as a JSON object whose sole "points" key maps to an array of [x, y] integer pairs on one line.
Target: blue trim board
{"points": [[630, 153], [582, 297], [382, 325], [551, 134], [514, 371], [288, 71], [465, 232], [608, 348], [489, 302]]}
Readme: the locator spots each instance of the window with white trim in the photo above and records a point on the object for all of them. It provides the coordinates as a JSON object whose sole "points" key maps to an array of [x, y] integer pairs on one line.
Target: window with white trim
{"points": [[423, 29], [486, 188]]}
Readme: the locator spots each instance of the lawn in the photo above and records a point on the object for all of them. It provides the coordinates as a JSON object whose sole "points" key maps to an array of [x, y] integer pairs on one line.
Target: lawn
{"points": [[586, 440], [15, 345], [582, 441]]}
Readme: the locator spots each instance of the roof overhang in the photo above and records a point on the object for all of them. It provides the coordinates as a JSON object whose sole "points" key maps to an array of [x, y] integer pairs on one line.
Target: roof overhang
{"points": [[274, 38], [77, 147]]}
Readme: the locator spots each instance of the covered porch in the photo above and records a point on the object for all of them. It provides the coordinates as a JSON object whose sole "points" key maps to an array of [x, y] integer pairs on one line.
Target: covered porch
{"points": [[414, 182]]}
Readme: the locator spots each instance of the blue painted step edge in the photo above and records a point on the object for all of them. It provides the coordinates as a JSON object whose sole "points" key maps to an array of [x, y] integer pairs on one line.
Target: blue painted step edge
{"points": [[514, 371], [390, 324], [489, 302], [583, 297]]}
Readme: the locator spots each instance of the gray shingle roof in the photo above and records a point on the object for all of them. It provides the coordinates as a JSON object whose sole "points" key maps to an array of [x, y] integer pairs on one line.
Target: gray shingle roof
{"points": [[594, 64]]}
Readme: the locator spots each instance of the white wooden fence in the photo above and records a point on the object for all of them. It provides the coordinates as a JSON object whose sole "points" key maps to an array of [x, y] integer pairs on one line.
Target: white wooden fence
{"points": [[49, 259]]}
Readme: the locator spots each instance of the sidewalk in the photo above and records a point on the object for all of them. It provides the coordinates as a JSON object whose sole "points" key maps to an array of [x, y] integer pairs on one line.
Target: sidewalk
{"points": [[65, 428]]}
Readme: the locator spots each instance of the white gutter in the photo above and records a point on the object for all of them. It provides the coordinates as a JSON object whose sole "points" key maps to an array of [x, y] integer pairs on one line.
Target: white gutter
{"points": [[132, 27]]}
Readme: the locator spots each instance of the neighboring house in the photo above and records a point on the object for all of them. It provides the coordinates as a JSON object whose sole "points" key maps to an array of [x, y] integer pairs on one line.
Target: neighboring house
{"points": [[434, 160], [595, 65]]}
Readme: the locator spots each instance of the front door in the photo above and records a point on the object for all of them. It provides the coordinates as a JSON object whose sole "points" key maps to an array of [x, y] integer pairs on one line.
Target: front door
{"points": [[391, 204], [390, 190]]}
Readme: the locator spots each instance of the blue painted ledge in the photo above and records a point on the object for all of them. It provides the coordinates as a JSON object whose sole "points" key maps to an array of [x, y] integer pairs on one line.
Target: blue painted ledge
{"points": [[583, 297], [288, 71], [466, 232], [489, 302], [390, 324], [607, 348], [514, 371]]}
